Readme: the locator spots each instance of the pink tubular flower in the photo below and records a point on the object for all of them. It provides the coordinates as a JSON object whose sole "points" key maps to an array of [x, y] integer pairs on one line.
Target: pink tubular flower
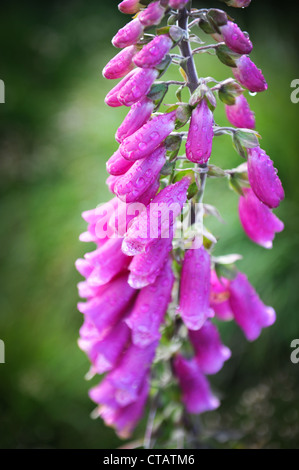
{"points": [[150, 308], [141, 176], [86, 291], [154, 52], [130, 7], [249, 311], [109, 307], [177, 4], [263, 178], [148, 137], [137, 86], [157, 220], [219, 297], [129, 375], [103, 354], [83, 267], [200, 135], [121, 64], [108, 261], [124, 419], [235, 39], [94, 217], [196, 393], [150, 193], [136, 117], [259, 223], [210, 353], [249, 75], [111, 182], [117, 164], [194, 304], [145, 267], [240, 114], [152, 15], [128, 35], [112, 97]]}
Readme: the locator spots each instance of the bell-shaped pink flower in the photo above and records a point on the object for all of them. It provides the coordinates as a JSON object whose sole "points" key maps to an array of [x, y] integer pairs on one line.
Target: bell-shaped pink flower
{"points": [[148, 137], [130, 7], [219, 298], [150, 193], [240, 114], [117, 164], [84, 267], [128, 35], [95, 217], [249, 311], [108, 261], [109, 307], [140, 176], [235, 39], [194, 306], [263, 178], [124, 419], [157, 220], [152, 15], [258, 221], [137, 86], [177, 4], [103, 354], [121, 64], [136, 117], [150, 308], [154, 52], [210, 353], [145, 267], [86, 291], [129, 375], [112, 97], [200, 135], [196, 393], [249, 75], [111, 182], [104, 394]]}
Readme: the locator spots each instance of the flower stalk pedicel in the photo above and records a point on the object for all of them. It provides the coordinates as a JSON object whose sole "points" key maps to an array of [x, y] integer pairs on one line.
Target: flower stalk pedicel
{"points": [[153, 285]]}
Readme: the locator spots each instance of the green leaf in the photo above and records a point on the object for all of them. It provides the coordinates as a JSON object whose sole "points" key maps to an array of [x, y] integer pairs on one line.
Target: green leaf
{"points": [[225, 55], [173, 143], [181, 174], [216, 172], [183, 115], [228, 271], [235, 185], [192, 190], [163, 30], [157, 93], [226, 97], [217, 17], [247, 139], [206, 26], [239, 147], [176, 33], [168, 168]]}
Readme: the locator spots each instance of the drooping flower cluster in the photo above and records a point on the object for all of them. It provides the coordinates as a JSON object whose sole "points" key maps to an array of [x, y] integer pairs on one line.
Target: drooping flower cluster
{"points": [[141, 264]]}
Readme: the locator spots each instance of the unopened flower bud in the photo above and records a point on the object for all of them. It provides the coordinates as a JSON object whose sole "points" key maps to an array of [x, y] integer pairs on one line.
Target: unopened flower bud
{"points": [[249, 75], [128, 35], [121, 64], [154, 52]]}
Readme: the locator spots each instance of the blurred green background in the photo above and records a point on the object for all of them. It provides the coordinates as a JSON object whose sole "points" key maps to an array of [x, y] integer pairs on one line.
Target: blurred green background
{"points": [[55, 136]]}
